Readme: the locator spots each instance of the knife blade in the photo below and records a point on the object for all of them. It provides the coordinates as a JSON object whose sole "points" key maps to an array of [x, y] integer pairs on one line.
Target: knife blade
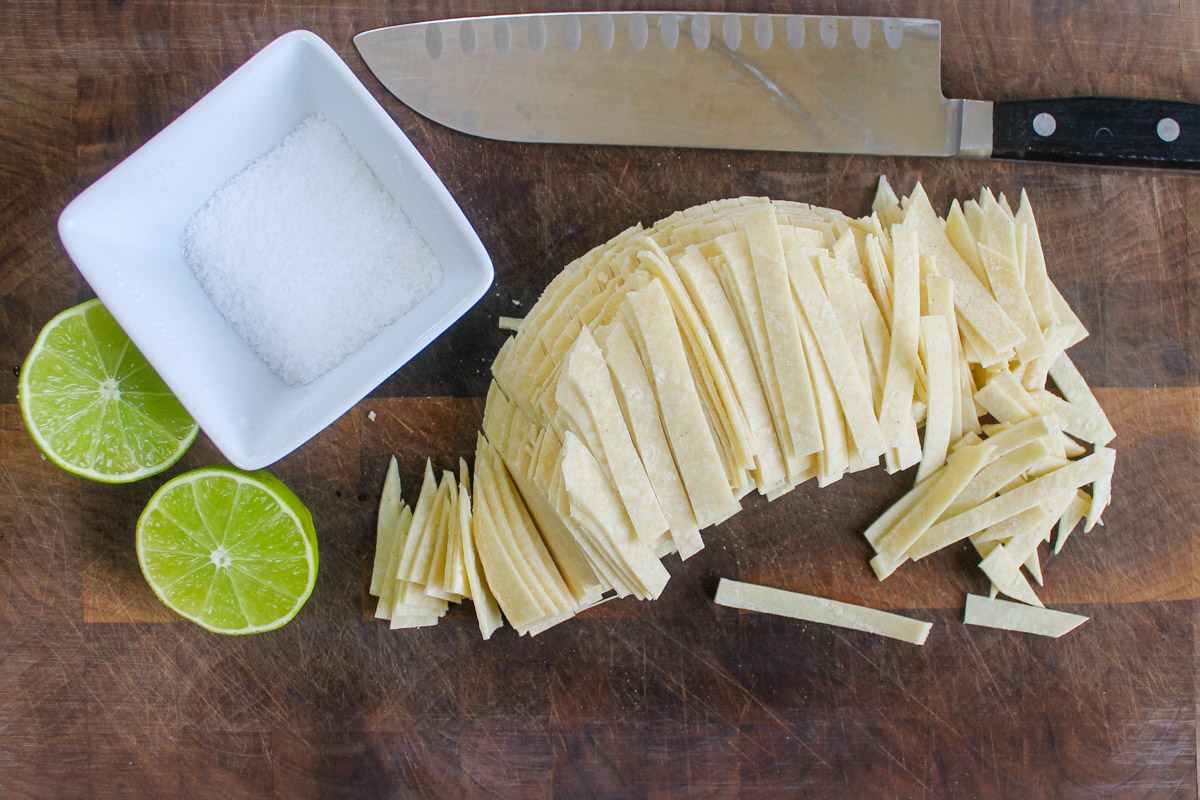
{"points": [[785, 82]]}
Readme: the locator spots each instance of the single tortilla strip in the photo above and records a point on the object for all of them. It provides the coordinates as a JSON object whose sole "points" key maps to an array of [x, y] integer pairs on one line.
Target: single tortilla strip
{"points": [[731, 418], [997, 474], [936, 339], [1037, 281], [941, 303], [435, 571], [1080, 502], [958, 231], [1009, 290], [388, 586], [636, 397], [779, 324], [846, 355], [695, 453], [895, 417], [885, 204], [420, 538], [766, 600], [1077, 392], [509, 323], [513, 594], [960, 468], [386, 525], [1038, 491], [589, 490], [1005, 573], [1009, 616], [1101, 490], [834, 459], [487, 612], [971, 298], [586, 368], [735, 271], [709, 298], [458, 582]]}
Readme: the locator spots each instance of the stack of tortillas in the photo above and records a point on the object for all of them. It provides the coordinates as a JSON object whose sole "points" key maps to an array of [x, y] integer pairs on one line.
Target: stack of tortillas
{"points": [[752, 344]]}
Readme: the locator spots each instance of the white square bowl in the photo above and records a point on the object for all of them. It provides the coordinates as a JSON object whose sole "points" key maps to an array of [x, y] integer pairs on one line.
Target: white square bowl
{"points": [[124, 232]]}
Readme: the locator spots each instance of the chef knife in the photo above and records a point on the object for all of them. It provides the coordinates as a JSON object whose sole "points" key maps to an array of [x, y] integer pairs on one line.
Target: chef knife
{"points": [[761, 82]]}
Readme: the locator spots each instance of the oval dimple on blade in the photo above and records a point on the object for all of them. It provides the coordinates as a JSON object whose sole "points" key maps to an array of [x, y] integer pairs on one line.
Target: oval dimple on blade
{"points": [[668, 29], [731, 31], [795, 32], [572, 33], [639, 32], [764, 30], [829, 32], [466, 37], [701, 32], [537, 34], [860, 30], [433, 41], [502, 36], [606, 31], [893, 33]]}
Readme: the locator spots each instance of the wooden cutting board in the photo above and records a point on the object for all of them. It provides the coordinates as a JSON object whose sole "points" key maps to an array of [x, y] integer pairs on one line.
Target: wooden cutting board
{"points": [[104, 694]]}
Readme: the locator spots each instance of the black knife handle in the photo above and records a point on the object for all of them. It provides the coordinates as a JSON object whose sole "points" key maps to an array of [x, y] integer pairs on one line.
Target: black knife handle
{"points": [[1098, 130]]}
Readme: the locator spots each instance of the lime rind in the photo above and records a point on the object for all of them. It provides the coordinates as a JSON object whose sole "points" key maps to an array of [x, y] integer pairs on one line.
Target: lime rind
{"points": [[79, 430], [252, 523]]}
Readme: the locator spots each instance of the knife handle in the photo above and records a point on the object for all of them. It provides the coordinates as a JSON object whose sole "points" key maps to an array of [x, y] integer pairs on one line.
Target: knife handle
{"points": [[1098, 130]]}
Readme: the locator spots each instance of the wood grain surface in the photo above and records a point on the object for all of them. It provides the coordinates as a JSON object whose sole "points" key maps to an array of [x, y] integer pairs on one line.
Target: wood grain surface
{"points": [[103, 693]]}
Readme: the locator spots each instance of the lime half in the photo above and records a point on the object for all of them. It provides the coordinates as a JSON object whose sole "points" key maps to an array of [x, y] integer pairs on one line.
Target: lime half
{"points": [[230, 550], [95, 406]]}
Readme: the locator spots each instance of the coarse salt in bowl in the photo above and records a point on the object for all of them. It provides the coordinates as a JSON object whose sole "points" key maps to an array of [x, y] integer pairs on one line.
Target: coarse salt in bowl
{"points": [[124, 233]]}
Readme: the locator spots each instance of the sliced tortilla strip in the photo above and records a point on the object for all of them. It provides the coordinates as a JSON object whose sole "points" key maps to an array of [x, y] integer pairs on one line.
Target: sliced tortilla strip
{"points": [[709, 298], [895, 417], [971, 298], [1038, 491], [846, 359], [936, 339], [587, 371], [454, 575], [834, 459], [1009, 616], [1080, 502], [886, 205], [436, 571], [593, 500], [523, 601], [1005, 573], [960, 468], [997, 475], [420, 539], [727, 417], [388, 586], [1076, 391], [766, 600], [736, 272], [1009, 291], [487, 612], [879, 276], [657, 337], [779, 324], [1037, 282], [636, 397], [386, 525], [1101, 490], [959, 234]]}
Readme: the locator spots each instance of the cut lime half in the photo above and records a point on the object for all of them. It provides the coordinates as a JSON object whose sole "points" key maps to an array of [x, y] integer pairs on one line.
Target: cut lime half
{"points": [[95, 406], [233, 551]]}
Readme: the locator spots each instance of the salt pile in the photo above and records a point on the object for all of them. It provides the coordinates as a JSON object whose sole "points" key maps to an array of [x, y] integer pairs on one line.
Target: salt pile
{"points": [[307, 255]]}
